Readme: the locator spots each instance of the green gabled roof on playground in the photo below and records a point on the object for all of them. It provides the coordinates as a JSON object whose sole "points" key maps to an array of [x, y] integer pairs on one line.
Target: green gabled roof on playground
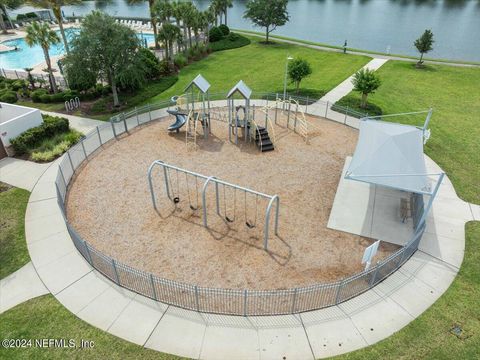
{"points": [[200, 82], [242, 88]]}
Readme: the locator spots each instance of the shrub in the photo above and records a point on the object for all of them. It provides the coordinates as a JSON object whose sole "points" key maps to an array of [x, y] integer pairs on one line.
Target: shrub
{"points": [[19, 84], [180, 61], [29, 139], [215, 34], [231, 41], [35, 95], [224, 29], [45, 98], [9, 97], [164, 68], [49, 155], [150, 63], [233, 37], [101, 105]]}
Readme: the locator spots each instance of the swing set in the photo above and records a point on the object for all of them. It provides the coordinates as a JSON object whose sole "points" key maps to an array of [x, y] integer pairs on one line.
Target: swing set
{"points": [[226, 207]]}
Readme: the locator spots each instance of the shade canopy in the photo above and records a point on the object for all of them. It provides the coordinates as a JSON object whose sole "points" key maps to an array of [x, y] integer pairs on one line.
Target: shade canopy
{"points": [[242, 88], [391, 155], [200, 82]]}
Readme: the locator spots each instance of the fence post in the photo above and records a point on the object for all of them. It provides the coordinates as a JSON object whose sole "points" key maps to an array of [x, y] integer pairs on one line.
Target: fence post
{"points": [[294, 302], [113, 128], [149, 112], [99, 137], [153, 287], [70, 159], [124, 122], [136, 112], [84, 151], [63, 177], [115, 271], [245, 302], [306, 105], [87, 250], [289, 107], [372, 280], [346, 114], [197, 303], [16, 74], [337, 296], [326, 110]]}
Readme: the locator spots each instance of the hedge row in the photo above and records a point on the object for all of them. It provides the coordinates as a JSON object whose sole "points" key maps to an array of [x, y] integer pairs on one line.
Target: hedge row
{"points": [[27, 140], [42, 95]]}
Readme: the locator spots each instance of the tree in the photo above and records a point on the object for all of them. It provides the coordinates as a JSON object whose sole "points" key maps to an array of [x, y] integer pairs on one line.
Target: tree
{"points": [[268, 14], [169, 33], [41, 34], [209, 17], [221, 7], [56, 7], [190, 14], [298, 69], [30, 77], [365, 81], [424, 44], [153, 18], [4, 4], [107, 50]]}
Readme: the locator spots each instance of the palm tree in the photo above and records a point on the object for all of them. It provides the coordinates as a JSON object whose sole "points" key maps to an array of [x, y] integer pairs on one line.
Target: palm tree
{"points": [[41, 34], [177, 14], [4, 4], [163, 10], [153, 18], [214, 8], [190, 14], [208, 18], [225, 4], [56, 7], [169, 33]]}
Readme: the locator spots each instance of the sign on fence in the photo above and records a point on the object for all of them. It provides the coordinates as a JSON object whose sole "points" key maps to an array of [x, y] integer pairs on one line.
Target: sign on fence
{"points": [[369, 253]]}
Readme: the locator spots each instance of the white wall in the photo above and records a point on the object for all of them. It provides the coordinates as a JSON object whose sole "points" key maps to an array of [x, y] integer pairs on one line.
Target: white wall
{"points": [[15, 119]]}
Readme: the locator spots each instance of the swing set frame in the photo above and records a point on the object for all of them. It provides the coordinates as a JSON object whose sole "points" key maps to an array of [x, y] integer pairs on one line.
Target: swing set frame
{"points": [[274, 200]]}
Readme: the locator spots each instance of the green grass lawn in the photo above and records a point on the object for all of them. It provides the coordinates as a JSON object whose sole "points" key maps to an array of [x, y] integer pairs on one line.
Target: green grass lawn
{"points": [[262, 67], [454, 94], [430, 336], [13, 247], [45, 318]]}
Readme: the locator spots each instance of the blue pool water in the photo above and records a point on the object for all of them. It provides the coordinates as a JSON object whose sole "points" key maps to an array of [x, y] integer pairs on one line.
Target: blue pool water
{"points": [[27, 56]]}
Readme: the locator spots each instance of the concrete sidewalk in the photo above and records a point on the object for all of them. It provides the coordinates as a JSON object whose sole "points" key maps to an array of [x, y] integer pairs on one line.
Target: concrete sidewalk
{"points": [[21, 173], [24, 284], [345, 87], [82, 124], [354, 324]]}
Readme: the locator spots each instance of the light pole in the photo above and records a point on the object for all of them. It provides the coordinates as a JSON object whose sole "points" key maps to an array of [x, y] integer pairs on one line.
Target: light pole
{"points": [[285, 80]]}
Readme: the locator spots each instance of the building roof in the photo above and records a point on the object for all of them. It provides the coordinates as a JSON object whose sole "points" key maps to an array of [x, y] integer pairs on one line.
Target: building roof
{"points": [[391, 155], [242, 88], [200, 82]]}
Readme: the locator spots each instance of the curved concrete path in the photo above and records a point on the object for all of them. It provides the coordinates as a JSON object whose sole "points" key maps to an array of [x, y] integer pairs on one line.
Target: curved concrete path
{"points": [[24, 284], [354, 324]]}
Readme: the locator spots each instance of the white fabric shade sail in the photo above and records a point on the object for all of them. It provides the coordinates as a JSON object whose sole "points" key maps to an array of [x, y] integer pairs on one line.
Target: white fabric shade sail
{"points": [[391, 155]]}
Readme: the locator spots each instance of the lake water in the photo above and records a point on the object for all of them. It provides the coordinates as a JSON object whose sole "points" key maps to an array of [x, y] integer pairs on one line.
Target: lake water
{"points": [[378, 25]]}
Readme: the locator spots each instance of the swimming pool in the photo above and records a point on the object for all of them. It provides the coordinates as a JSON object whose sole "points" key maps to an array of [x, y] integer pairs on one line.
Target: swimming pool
{"points": [[27, 56]]}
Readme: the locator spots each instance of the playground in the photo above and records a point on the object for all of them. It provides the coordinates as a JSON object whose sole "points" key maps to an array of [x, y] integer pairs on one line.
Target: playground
{"points": [[110, 204]]}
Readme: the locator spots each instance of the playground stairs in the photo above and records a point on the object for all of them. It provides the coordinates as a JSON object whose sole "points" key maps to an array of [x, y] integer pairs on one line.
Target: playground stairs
{"points": [[263, 141]]}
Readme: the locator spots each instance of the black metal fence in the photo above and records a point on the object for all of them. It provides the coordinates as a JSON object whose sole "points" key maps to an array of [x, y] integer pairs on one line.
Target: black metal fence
{"points": [[203, 299]]}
